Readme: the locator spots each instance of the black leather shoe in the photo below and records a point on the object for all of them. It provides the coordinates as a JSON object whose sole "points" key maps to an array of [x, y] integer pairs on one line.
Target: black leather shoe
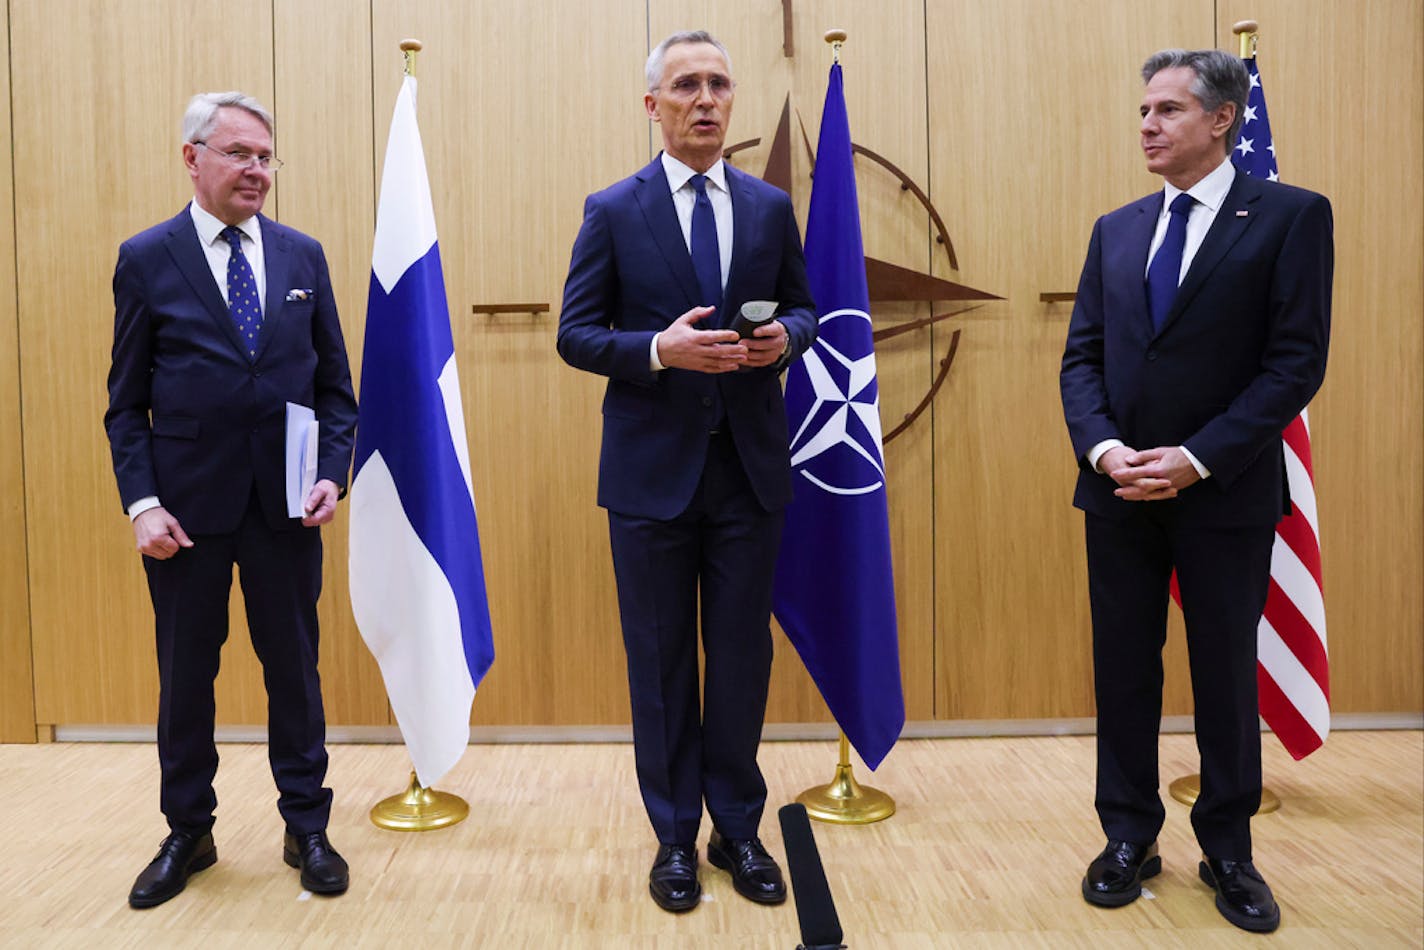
{"points": [[323, 870], [167, 874], [754, 874], [1242, 895], [1115, 877], [673, 879]]}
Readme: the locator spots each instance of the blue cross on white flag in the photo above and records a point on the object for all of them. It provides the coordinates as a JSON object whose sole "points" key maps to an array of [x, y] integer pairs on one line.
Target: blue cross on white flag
{"points": [[835, 591], [417, 581]]}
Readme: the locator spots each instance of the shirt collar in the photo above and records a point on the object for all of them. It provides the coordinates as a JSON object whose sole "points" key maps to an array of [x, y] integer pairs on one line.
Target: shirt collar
{"points": [[1210, 191], [209, 227], [678, 173]]}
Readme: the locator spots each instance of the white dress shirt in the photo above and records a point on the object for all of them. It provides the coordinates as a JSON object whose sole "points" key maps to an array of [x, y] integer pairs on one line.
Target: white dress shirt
{"points": [[1209, 195], [684, 198]]}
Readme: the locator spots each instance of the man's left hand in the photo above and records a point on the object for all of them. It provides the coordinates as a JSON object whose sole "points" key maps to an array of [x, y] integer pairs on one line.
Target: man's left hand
{"points": [[766, 344], [1155, 474], [320, 505]]}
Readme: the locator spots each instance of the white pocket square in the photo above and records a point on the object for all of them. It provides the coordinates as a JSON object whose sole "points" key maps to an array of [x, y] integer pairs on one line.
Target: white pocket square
{"points": [[298, 293]]}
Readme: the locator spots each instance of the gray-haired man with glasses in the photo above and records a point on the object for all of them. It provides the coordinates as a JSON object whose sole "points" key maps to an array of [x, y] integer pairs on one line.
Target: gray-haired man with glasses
{"points": [[222, 317]]}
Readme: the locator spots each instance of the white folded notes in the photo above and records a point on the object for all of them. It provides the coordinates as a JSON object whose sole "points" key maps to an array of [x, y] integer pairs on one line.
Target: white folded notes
{"points": [[301, 457]]}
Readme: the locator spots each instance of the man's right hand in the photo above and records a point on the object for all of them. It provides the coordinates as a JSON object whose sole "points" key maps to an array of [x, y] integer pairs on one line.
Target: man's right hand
{"points": [[1119, 463], [704, 351], [159, 535]]}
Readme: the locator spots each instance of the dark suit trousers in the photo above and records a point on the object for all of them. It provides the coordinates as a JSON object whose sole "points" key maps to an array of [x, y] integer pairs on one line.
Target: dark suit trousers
{"points": [[280, 573], [1223, 575], [724, 546]]}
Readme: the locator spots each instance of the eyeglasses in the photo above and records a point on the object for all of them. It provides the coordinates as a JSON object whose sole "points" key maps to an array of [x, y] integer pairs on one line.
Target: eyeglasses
{"points": [[688, 87], [240, 159]]}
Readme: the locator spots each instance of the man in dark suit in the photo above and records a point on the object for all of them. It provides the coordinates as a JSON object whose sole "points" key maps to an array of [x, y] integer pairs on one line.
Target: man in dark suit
{"points": [[1200, 330], [222, 316], [695, 468]]}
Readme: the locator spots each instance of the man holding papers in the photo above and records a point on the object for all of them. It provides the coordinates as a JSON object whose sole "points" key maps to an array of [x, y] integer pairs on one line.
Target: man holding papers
{"points": [[221, 318]]}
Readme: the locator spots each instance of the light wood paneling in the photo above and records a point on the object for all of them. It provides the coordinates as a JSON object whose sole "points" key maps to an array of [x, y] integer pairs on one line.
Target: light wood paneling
{"points": [[1030, 140], [1343, 86], [96, 160], [17, 692], [986, 851], [323, 106], [521, 118]]}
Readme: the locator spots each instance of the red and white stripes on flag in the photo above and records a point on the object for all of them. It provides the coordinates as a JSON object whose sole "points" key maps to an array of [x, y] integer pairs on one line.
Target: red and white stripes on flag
{"points": [[1292, 667]]}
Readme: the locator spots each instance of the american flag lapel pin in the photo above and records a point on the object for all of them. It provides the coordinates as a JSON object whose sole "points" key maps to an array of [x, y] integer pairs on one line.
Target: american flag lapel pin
{"points": [[1241, 214]]}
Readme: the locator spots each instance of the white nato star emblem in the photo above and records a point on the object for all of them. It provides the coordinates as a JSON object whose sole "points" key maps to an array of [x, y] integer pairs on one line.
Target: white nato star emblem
{"points": [[839, 437]]}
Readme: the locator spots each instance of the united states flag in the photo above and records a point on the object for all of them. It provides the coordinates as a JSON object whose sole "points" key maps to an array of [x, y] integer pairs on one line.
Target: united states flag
{"points": [[1293, 669]]}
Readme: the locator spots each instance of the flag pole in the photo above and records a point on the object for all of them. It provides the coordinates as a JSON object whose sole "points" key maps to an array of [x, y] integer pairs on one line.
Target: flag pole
{"points": [[845, 801], [1187, 789], [418, 808]]}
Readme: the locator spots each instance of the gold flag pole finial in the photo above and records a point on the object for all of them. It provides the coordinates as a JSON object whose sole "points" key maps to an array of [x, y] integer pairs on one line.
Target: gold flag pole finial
{"points": [[1248, 30], [837, 39], [410, 48]]}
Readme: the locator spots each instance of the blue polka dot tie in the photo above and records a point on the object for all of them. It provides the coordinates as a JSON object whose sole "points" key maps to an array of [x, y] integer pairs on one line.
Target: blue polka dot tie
{"points": [[242, 300]]}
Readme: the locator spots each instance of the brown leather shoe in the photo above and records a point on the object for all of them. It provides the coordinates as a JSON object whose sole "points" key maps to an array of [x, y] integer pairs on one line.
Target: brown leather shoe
{"points": [[180, 856], [754, 873]]}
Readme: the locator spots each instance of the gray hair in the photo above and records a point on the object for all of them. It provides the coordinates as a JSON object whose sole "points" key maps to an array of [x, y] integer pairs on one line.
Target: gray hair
{"points": [[1219, 78], [202, 113], [654, 69]]}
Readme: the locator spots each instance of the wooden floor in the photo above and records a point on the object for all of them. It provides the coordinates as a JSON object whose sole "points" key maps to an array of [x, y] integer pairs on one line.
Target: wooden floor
{"points": [[987, 850]]}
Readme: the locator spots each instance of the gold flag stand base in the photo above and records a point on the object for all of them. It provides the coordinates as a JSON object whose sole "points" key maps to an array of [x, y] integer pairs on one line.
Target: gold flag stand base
{"points": [[845, 801], [419, 809], [1188, 787]]}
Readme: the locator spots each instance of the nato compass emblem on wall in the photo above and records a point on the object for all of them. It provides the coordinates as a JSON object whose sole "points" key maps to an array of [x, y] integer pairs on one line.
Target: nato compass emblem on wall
{"points": [[845, 415]]}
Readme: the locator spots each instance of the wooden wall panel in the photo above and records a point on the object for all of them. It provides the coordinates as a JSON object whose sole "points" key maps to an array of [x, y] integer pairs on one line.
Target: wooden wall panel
{"points": [[17, 691], [1343, 86], [96, 160], [1030, 140], [519, 124], [326, 135], [1021, 144]]}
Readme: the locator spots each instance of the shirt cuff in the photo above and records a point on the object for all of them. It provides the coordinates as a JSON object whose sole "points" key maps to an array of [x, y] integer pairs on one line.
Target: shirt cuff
{"points": [[1101, 449], [142, 505], [1202, 470], [655, 364]]}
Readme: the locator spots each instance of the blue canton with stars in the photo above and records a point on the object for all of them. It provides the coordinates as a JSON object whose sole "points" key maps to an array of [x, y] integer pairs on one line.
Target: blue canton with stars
{"points": [[242, 300], [1255, 152]]}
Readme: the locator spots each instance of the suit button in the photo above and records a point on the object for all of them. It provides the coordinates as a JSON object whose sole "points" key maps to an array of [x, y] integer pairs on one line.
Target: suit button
{"points": [[707, 401], [1151, 356]]}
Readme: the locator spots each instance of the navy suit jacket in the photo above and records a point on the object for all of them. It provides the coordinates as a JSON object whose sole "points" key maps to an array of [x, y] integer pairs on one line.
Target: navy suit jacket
{"points": [[631, 276], [194, 420], [1238, 357]]}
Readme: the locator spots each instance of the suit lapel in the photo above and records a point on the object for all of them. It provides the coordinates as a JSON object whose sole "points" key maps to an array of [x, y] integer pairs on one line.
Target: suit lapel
{"points": [[1136, 244], [746, 211], [277, 259], [655, 200], [1231, 223], [187, 252]]}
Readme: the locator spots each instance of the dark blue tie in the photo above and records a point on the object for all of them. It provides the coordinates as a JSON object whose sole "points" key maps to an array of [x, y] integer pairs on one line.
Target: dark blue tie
{"points": [[706, 255], [1166, 267], [242, 300]]}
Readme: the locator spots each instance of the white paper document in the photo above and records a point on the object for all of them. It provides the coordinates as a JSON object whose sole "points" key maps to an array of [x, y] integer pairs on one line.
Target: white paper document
{"points": [[301, 457]]}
